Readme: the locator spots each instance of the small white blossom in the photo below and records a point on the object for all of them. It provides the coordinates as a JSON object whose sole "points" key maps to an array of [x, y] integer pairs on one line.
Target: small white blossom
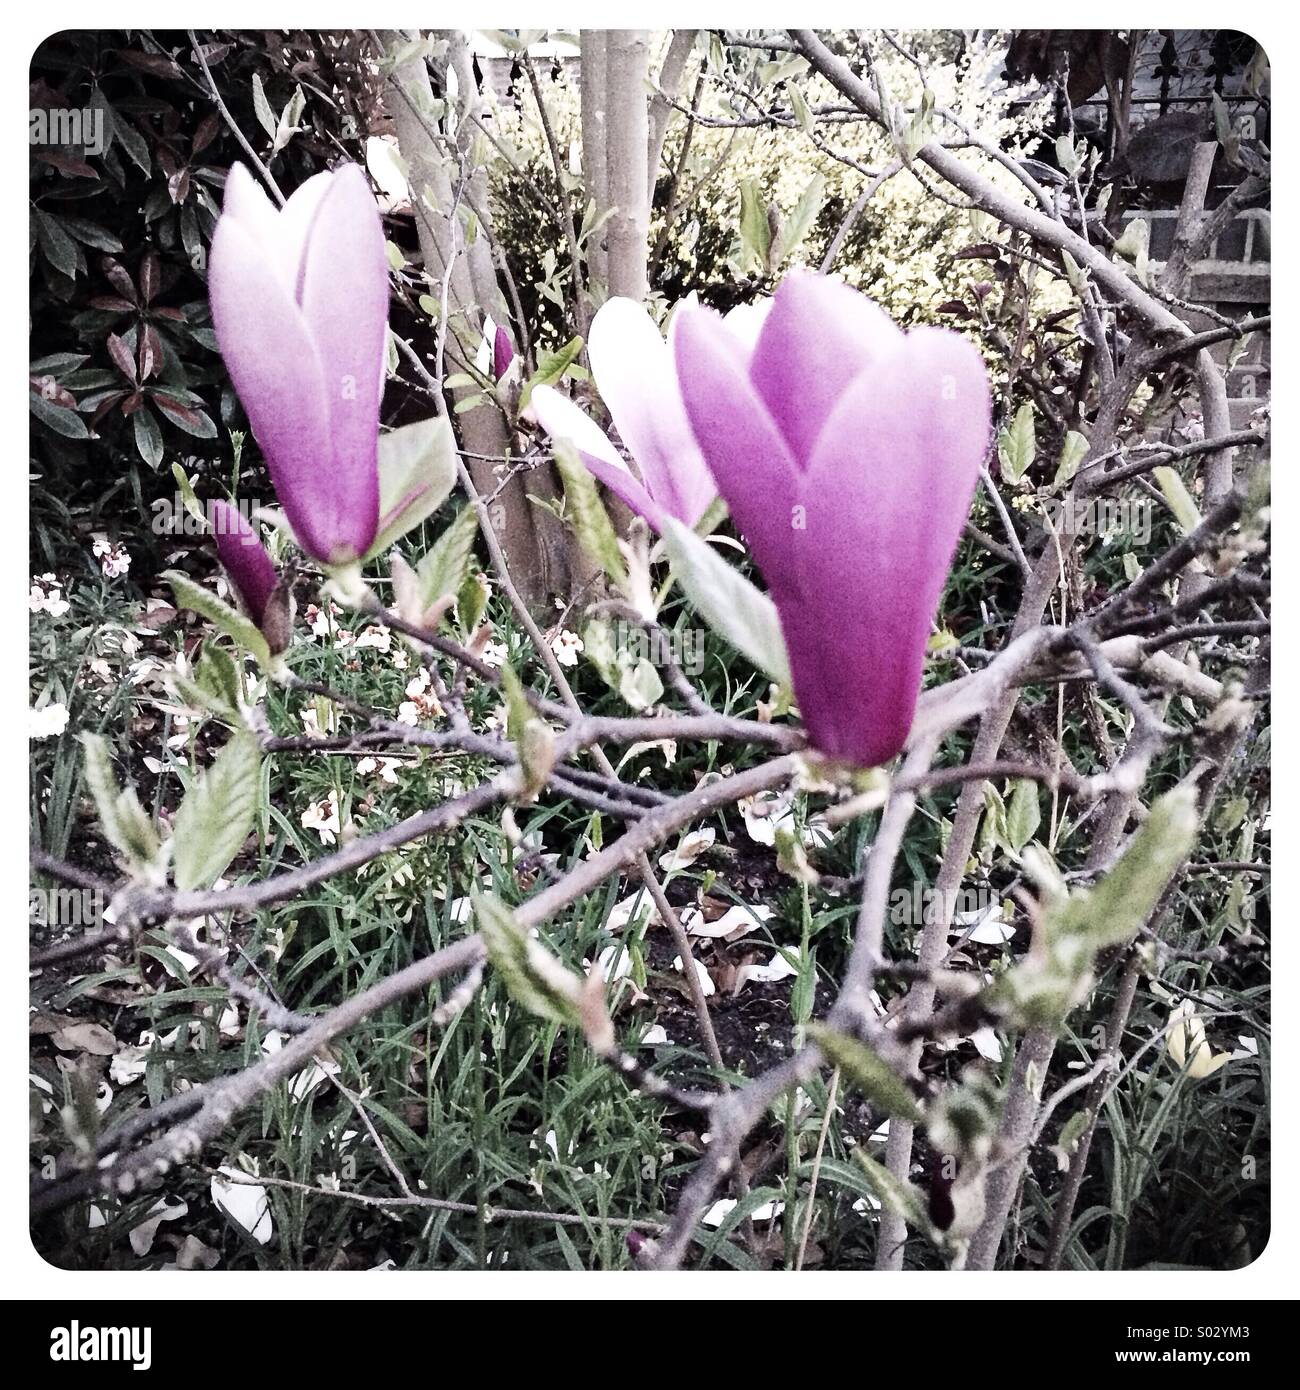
{"points": [[566, 645], [323, 818], [47, 722], [113, 559], [385, 767], [421, 703], [377, 637], [47, 596]]}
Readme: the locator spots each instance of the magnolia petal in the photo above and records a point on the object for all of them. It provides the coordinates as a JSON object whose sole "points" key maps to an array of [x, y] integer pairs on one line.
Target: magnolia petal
{"points": [[276, 371], [626, 488], [503, 353], [886, 495], [561, 419], [345, 304], [745, 322], [243, 557], [634, 371], [281, 232], [749, 460], [817, 336], [245, 201], [293, 224]]}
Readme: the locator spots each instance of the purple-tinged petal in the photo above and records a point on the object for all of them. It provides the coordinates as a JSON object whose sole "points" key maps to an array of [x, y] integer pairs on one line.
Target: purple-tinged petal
{"points": [[280, 232], [886, 495], [817, 336], [503, 354], [848, 454], [276, 371], [243, 557], [747, 456], [561, 419], [293, 227], [633, 369], [345, 305], [245, 201], [746, 321], [626, 488]]}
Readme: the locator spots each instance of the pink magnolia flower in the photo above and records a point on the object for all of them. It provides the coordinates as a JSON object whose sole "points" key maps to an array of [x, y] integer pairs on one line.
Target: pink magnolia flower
{"points": [[300, 303], [243, 557], [503, 353], [633, 368], [848, 453]]}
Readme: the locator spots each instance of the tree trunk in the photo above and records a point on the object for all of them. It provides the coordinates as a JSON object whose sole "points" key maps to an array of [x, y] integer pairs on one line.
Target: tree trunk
{"points": [[627, 142], [592, 88], [671, 72], [536, 547]]}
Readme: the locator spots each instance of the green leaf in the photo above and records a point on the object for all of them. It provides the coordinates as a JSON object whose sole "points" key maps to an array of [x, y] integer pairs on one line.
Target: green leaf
{"points": [[241, 630], [217, 814], [417, 470], [189, 498], [792, 857], [533, 738], [471, 602], [1023, 814], [1074, 272], [148, 437], [587, 512], [993, 826], [640, 684], [727, 601], [1016, 446], [1231, 814], [755, 230], [262, 108], [868, 1071], [1066, 155], [124, 821], [1222, 121], [59, 418], [1134, 245], [800, 108], [804, 215], [551, 366], [1110, 913], [447, 565], [536, 747], [897, 1196], [1178, 499], [532, 976], [1074, 449], [919, 130], [518, 710], [136, 146], [287, 126], [60, 250], [1072, 1130], [214, 685]]}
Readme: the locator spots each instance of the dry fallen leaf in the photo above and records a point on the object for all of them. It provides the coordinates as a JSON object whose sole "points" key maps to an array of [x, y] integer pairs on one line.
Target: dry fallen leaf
{"points": [[736, 922], [244, 1202], [142, 1236], [688, 850], [86, 1037], [193, 1254], [778, 968], [706, 980]]}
